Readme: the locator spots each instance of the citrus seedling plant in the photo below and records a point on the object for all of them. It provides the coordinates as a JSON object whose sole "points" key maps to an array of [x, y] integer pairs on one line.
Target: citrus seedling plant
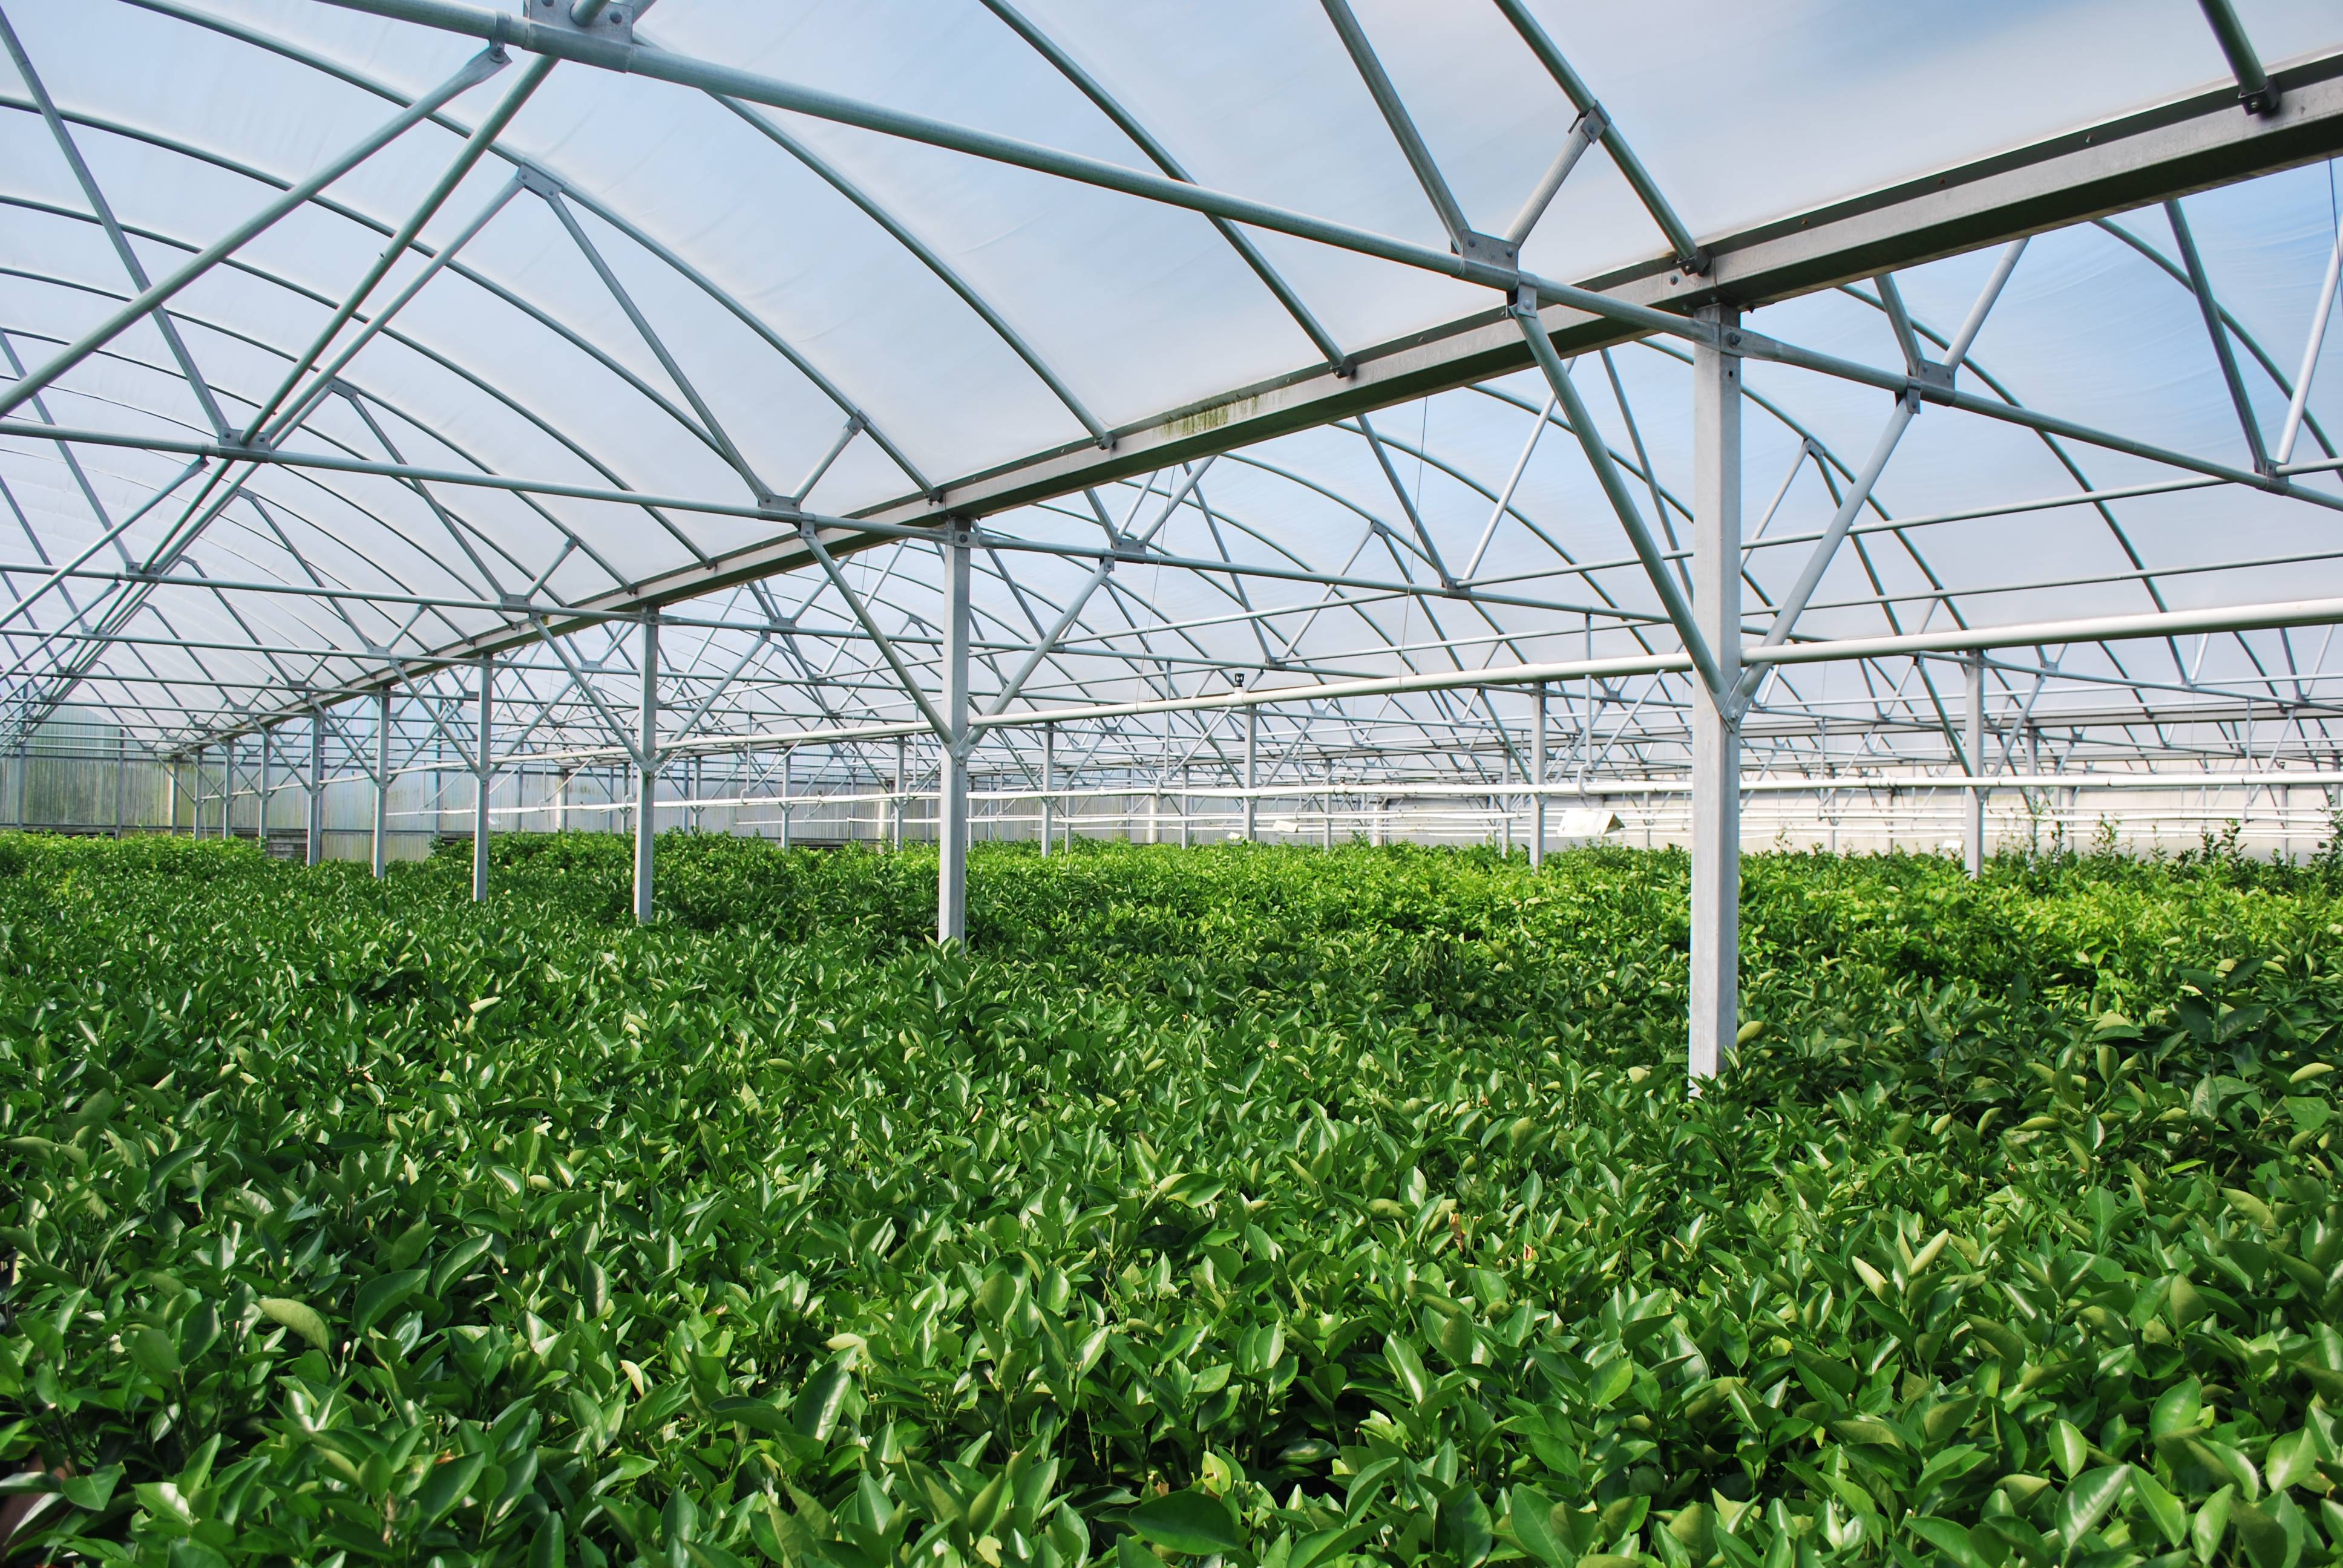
{"points": [[1273, 1206]]}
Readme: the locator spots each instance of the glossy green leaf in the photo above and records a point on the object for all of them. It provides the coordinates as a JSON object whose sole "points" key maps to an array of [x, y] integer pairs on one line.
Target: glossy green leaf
{"points": [[1188, 1522]]}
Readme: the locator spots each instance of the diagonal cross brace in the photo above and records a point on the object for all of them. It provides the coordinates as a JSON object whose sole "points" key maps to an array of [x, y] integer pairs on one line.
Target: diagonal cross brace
{"points": [[1615, 487], [577, 678], [105, 211], [479, 69], [1082, 598], [886, 644], [1858, 494]]}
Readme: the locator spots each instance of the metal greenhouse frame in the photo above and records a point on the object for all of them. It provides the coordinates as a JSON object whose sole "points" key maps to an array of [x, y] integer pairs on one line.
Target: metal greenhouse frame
{"points": [[461, 445]]}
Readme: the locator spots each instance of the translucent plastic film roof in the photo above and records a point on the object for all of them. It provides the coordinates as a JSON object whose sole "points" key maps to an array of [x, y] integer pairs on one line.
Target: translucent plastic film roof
{"points": [[354, 341]]}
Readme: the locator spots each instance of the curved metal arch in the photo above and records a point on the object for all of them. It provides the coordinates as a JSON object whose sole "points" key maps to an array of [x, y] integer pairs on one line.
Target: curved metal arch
{"points": [[1157, 154], [351, 76], [2237, 328], [1082, 683], [473, 378], [301, 612], [2057, 449], [94, 615], [390, 575], [139, 654], [1920, 559], [574, 339], [926, 257], [575, 539], [1578, 569]]}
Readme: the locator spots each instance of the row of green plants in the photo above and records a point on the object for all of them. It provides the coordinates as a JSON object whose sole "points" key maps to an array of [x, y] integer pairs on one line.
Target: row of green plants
{"points": [[1275, 1206]]}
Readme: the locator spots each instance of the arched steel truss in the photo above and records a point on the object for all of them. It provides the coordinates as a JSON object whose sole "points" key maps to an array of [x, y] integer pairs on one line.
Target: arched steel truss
{"points": [[236, 521]]}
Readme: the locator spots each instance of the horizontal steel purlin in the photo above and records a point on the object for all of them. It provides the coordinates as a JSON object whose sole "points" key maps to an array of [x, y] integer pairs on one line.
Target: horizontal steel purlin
{"points": [[2241, 618]]}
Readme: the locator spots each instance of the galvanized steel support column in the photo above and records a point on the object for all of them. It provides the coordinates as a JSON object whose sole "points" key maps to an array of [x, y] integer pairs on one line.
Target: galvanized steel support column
{"points": [[121, 777], [895, 800], [1049, 782], [485, 775], [646, 771], [268, 785], [1252, 768], [1973, 797], [1537, 778], [788, 759], [1716, 732], [227, 789], [171, 799], [314, 840], [952, 794], [381, 781]]}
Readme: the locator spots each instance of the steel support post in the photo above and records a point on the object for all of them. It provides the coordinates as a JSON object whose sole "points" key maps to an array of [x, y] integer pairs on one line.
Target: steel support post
{"points": [[268, 784], [313, 840], [484, 773], [1187, 812], [227, 789], [895, 798], [121, 779], [23, 777], [1586, 711], [788, 759], [1049, 782], [1537, 778], [646, 771], [1326, 834], [171, 799], [381, 781], [1973, 797], [1715, 732], [951, 794], [1252, 774]]}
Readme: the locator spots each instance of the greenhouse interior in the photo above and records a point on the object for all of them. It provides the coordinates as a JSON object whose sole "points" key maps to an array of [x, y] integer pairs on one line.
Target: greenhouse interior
{"points": [[1041, 782]]}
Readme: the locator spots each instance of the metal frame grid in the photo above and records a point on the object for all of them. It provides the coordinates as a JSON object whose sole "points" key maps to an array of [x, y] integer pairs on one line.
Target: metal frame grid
{"points": [[1265, 596]]}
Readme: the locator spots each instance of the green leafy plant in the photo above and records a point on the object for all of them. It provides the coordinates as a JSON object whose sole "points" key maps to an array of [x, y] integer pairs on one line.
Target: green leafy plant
{"points": [[1277, 1206]]}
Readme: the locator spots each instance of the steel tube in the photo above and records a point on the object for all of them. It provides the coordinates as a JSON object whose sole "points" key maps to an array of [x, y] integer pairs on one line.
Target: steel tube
{"points": [[2301, 401], [479, 68], [1537, 777], [643, 60], [1615, 487], [484, 775], [647, 760], [314, 837], [1251, 762], [1049, 782], [381, 847], [957, 736], [1973, 797], [1716, 725]]}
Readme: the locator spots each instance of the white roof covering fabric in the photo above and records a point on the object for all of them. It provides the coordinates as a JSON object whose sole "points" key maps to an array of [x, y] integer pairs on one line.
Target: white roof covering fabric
{"points": [[750, 310]]}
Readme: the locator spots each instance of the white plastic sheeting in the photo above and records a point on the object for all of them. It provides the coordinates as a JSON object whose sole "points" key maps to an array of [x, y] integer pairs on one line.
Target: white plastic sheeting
{"points": [[965, 314]]}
